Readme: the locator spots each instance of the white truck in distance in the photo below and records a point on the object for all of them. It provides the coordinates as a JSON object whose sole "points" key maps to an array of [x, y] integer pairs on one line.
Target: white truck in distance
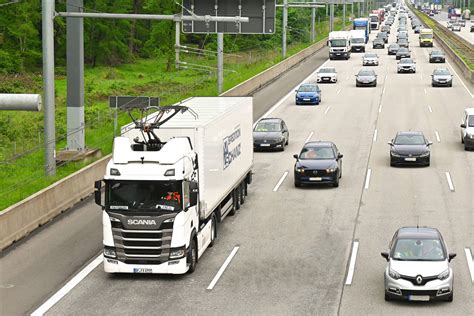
{"points": [[174, 174], [339, 45], [357, 40]]}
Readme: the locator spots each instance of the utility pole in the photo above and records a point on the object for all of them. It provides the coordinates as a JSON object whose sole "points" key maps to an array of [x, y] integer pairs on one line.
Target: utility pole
{"points": [[75, 78], [220, 62], [331, 17], [177, 44], [284, 27], [48, 9], [313, 27], [344, 16]]}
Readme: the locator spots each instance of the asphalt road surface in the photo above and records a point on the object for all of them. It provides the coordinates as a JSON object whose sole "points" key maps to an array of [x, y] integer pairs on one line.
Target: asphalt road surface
{"points": [[465, 33], [294, 244]]}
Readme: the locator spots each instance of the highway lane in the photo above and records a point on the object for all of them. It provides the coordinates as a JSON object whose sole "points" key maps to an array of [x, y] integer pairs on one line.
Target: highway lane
{"points": [[407, 196], [465, 33], [65, 245], [295, 243]]}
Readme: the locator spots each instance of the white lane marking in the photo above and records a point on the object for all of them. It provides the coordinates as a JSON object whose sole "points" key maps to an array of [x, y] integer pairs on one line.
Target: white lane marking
{"points": [[309, 137], [430, 109], [327, 110], [380, 108], [472, 96], [424, 89], [350, 272], [367, 179], [383, 91], [375, 135], [338, 91], [277, 186], [222, 269], [385, 78], [68, 286], [470, 264], [280, 102], [450, 181], [437, 137]]}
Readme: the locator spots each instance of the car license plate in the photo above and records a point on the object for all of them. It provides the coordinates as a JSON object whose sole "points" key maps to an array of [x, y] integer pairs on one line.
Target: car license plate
{"points": [[315, 179], [142, 270], [265, 145], [423, 298], [410, 159], [306, 99]]}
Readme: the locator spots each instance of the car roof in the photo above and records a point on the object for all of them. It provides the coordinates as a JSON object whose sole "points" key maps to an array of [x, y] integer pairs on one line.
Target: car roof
{"points": [[318, 143], [418, 232], [409, 133], [271, 119]]}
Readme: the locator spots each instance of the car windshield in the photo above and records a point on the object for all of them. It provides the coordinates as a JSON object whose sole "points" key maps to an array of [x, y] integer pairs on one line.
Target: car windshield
{"points": [[327, 71], [366, 73], [406, 61], [268, 127], [435, 53], [374, 18], [337, 42], [378, 40], [418, 250], [307, 88], [370, 55], [310, 153], [358, 40], [413, 139], [144, 195], [441, 72], [393, 46]]}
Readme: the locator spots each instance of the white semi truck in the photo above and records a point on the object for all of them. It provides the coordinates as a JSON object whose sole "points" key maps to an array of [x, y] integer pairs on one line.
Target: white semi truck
{"points": [[339, 45], [174, 175]]}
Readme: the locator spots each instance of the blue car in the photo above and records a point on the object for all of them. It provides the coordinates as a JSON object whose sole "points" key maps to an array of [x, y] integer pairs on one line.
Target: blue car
{"points": [[308, 93]]}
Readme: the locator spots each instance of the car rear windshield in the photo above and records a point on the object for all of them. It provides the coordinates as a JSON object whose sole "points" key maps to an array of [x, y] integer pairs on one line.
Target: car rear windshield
{"points": [[268, 127], [307, 89], [418, 250], [410, 140], [317, 153]]}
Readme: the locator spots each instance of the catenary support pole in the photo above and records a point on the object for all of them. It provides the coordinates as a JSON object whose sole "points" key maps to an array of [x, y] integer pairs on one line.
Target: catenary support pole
{"points": [[220, 62], [331, 17], [75, 78], [344, 15], [284, 27], [177, 42], [313, 22], [48, 86]]}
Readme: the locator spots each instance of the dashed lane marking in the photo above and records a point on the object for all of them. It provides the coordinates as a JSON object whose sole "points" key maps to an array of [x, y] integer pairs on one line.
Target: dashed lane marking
{"points": [[222, 269], [277, 186]]}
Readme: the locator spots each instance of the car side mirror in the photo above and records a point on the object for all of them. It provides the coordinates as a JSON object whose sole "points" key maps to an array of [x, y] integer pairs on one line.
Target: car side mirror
{"points": [[296, 90], [98, 193], [340, 156], [463, 125], [430, 143], [390, 143], [193, 193], [385, 255], [451, 256], [295, 156]]}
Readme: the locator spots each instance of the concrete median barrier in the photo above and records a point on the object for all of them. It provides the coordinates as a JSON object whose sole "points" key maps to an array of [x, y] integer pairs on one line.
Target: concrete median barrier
{"points": [[25, 216]]}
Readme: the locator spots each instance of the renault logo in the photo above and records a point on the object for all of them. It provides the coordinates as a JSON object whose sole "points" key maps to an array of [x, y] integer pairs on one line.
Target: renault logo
{"points": [[419, 279]]}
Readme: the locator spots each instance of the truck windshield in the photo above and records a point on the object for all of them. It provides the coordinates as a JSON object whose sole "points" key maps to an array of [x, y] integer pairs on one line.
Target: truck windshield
{"points": [[144, 195], [360, 27], [426, 36], [374, 19], [338, 42], [358, 40]]}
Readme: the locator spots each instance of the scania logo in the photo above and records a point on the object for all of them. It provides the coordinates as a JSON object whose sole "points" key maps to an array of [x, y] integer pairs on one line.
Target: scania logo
{"points": [[419, 279], [141, 222]]}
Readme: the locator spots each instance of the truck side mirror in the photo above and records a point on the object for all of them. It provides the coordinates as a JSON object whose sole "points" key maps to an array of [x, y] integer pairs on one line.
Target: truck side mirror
{"points": [[385, 255], [451, 256], [193, 193], [98, 193], [463, 125]]}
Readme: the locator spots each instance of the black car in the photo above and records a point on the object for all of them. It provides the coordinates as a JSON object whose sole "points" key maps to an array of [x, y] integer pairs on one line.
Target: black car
{"points": [[403, 52], [270, 133], [437, 56], [318, 162], [378, 43], [366, 77], [410, 148]]}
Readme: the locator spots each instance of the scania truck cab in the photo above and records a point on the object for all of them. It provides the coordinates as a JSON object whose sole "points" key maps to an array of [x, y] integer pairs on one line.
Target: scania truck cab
{"points": [[173, 176], [339, 45], [374, 21]]}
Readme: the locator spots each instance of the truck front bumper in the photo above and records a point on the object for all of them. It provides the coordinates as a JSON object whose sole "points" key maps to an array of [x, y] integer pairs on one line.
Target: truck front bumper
{"points": [[339, 55], [171, 267]]}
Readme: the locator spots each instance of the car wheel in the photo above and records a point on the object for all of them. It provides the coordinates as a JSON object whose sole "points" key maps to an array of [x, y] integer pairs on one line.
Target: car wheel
{"points": [[433, 85], [387, 297], [287, 141], [450, 297], [336, 183], [451, 84], [428, 163], [192, 257], [466, 148], [297, 103], [462, 140], [297, 184], [375, 84], [392, 163], [282, 146], [357, 85]]}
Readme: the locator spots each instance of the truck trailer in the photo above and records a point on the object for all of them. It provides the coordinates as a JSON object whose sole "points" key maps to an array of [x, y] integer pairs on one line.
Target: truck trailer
{"points": [[174, 175], [362, 24]]}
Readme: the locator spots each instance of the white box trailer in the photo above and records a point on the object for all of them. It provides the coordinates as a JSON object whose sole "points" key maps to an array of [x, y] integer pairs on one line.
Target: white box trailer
{"points": [[169, 184]]}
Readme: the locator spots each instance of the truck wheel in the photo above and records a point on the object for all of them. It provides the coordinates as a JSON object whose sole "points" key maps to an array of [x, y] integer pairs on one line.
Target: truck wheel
{"points": [[192, 257], [213, 230], [237, 199], [242, 193], [246, 190], [232, 211]]}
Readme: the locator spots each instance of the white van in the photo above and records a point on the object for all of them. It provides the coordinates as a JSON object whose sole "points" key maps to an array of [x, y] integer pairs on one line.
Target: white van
{"points": [[467, 129]]}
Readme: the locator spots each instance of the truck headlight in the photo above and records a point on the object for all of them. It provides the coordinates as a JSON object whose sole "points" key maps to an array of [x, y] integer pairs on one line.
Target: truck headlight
{"points": [[444, 275], [393, 274], [177, 253], [110, 252], [470, 136]]}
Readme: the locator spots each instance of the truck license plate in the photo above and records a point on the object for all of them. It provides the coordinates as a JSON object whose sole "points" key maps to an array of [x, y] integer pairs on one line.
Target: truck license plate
{"points": [[410, 159], [142, 270], [423, 298], [315, 179]]}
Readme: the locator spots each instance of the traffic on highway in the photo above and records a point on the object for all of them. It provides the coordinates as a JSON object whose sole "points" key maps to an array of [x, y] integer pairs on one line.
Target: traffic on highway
{"points": [[368, 209]]}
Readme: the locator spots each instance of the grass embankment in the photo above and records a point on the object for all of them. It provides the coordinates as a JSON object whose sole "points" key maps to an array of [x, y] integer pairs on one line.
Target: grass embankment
{"points": [[23, 176]]}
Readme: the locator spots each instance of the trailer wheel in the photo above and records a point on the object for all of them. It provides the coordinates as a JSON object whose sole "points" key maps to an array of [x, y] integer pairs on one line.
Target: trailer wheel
{"points": [[192, 257], [213, 229], [242, 193], [232, 211], [237, 198], [246, 190]]}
